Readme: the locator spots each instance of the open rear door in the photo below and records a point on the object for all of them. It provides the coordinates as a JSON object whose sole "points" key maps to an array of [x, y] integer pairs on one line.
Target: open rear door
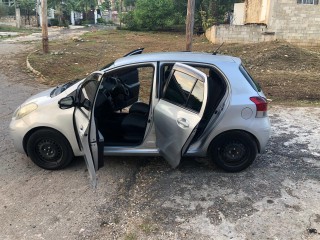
{"points": [[89, 139], [179, 111]]}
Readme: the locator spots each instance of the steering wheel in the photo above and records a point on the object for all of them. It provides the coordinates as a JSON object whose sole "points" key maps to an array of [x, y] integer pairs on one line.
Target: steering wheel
{"points": [[119, 88]]}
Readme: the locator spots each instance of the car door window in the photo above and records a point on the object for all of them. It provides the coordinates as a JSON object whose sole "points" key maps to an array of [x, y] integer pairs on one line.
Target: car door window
{"points": [[87, 92], [196, 97], [185, 90]]}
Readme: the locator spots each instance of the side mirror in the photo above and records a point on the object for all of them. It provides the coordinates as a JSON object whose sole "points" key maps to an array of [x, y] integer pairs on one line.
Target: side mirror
{"points": [[66, 102], [86, 104]]}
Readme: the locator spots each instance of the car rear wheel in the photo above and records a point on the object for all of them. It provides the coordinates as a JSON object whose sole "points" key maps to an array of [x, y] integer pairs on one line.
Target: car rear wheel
{"points": [[49, 149], [233, 151]]}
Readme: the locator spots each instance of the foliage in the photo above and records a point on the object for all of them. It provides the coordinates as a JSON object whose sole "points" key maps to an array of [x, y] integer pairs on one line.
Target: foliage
{"points": [[151, 15], [27, 8], [204, 20], [63, 8], [101, 21], [3, 10], [160, 14], [106, 5], [27, 5], [54, 22], [129, 2], [210, 12]]}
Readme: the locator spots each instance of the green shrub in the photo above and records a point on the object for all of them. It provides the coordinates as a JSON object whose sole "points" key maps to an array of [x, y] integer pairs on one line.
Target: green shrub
{"points": [[150, 15], [101, 21], [3, 10], [53, 22]]}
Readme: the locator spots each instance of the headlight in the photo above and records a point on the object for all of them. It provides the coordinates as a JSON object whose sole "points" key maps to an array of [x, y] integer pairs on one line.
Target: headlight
{"points": [[24, 110]]}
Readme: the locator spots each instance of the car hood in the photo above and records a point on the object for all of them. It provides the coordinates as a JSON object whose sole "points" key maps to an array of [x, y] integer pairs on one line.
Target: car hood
{"points": [[39, 97]]}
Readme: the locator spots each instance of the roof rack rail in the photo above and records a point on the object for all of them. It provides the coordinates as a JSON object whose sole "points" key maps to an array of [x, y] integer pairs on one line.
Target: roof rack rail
{"points": [[134, 52]]}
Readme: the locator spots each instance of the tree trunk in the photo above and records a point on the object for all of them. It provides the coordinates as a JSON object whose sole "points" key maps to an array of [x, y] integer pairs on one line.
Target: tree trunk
{"points": [[18, 17], [190, 24], [45, 38]]}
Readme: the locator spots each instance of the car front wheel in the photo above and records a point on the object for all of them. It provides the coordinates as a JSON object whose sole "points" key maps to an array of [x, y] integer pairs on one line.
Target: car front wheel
{"points": [[233, 151], [49, 149]]}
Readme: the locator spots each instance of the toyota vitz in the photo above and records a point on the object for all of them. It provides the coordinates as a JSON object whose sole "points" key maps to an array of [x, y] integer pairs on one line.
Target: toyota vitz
{"points": [[171, 104]]}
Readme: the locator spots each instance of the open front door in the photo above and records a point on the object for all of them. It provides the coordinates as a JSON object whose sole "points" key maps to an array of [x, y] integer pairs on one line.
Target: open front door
{"points": [[89, 139], [179, 111]]}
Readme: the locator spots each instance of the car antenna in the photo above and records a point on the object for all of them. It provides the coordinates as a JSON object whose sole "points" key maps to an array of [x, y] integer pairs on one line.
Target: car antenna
{"points": [[216, 51]]}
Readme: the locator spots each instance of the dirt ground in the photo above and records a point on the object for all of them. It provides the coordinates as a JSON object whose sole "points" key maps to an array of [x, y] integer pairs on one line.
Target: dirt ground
{"points": [[287, 73], [143, 198]]}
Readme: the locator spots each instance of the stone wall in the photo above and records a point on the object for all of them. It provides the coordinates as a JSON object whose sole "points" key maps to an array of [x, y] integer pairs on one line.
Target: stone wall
{"points": [[8, 20], [11, 20], [296, 23], [239, 34]]}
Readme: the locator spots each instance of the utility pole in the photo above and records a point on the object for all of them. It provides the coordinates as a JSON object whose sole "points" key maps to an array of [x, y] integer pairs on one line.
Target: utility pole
{"points": [[45, 38], [190, 24]]}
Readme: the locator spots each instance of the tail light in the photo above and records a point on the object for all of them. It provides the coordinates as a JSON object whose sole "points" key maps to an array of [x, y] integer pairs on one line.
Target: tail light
{"points": [[261, 105]]}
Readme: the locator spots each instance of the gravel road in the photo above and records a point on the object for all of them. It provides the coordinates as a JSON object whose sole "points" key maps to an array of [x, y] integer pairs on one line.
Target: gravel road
{"points": [[143, 198]]}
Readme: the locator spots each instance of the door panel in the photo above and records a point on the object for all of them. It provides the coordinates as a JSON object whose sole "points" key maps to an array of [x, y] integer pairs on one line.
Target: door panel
{"points": [[85, 126], [82, 126], [173, 126], [178, 113]]}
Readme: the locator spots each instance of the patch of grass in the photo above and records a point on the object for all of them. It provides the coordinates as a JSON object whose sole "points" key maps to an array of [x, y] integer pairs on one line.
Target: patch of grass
{"points": [[148, 228], [7, 28], [286, 73], [130, 236]]}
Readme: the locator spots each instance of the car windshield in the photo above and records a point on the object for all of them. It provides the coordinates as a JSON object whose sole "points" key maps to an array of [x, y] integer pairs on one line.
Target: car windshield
{"points": [[61, 88], [106, 66]]}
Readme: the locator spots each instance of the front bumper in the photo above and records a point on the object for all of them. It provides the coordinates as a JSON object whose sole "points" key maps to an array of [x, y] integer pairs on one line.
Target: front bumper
{"points": [[18, 129]]}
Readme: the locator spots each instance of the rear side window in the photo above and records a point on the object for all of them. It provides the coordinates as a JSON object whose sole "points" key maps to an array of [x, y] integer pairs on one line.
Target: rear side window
{"points": [[250, 80], [185, 90]]}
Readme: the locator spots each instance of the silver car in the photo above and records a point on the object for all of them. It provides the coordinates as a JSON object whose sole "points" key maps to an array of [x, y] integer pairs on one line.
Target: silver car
{"points": [[171, 104]]}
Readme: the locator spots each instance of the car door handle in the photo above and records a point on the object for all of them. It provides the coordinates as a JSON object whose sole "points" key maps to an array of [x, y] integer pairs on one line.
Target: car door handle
{"points": [[182, 122]]}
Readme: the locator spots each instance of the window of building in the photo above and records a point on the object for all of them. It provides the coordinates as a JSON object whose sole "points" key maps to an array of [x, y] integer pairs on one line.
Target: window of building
{"points": [[314, 2]]}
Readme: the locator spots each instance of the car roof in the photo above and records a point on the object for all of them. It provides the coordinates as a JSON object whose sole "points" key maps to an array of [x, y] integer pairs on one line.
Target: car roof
{"points": [[177, 57]]}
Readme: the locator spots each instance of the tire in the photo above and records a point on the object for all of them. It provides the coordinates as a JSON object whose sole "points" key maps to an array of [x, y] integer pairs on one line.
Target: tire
{"points": [[49, 149], [233, 151]]}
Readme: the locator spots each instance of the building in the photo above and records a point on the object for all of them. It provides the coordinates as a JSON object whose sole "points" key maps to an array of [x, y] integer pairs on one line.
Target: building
{"points": [[295, 21]]}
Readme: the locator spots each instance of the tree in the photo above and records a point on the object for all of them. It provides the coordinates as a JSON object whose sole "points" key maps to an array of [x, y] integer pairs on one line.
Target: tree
{"points": [[27, 8], [151, 15], [3, 10], [128, 3], [212, 12], [106, 5]]}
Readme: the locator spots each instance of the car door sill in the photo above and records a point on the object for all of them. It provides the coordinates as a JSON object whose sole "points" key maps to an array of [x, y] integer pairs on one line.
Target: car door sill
{"points": [[127, 151]]}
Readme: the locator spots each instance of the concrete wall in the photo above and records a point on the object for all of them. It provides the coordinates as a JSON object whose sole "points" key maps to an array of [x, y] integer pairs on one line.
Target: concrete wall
{"points": [[238, 14], [257, 11], [239, 34], [296, 23], [253, 9], [11, 20]]}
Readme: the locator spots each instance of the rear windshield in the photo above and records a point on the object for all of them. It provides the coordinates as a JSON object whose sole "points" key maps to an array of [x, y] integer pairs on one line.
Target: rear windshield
{"points": [[250, 80]]}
